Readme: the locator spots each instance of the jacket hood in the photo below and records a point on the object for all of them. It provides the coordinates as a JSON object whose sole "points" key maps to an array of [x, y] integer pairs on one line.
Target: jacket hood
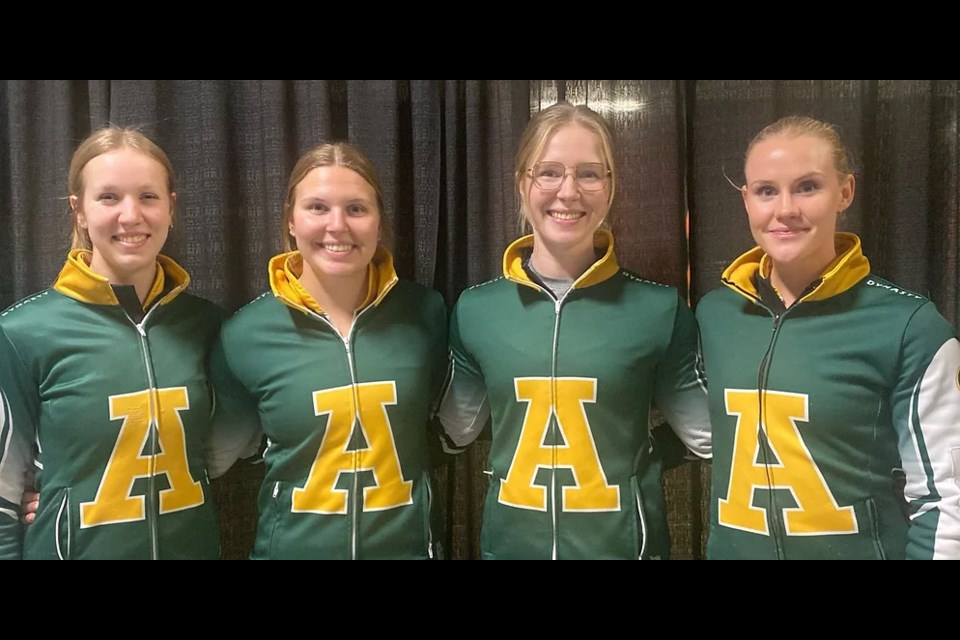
{"points": [[78, 281], [285, 270], [604, 268], [847, 269]]}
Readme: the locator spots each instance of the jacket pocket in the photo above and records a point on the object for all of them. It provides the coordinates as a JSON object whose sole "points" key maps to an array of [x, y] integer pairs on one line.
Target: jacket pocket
{"points": [[873, 521], [62, 530], [268, 523], [50, 537], [640, 530], [428, 519]]}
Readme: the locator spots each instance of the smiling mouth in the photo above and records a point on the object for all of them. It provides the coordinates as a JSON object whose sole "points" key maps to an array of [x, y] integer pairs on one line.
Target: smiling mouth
{"points": [[787, 232], [566, 215], [132, 239], [337, 247]]}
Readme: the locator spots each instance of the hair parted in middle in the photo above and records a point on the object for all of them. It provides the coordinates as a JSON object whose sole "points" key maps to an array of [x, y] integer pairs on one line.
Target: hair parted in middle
{"points": [[101, 141], [332, 154], [543, 125]]}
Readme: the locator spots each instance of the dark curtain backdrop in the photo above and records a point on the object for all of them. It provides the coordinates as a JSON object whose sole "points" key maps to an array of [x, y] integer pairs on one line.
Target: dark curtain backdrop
{"points": [[444, 149]]}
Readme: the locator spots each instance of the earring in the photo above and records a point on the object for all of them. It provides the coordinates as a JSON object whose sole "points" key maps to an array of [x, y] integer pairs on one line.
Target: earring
{"points": [[171, 226]]}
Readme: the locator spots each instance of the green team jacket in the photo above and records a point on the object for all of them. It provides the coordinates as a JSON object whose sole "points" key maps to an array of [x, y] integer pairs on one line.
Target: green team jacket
{"points": [[346, 419], [819, 412], [112, 415], [568, 385]]}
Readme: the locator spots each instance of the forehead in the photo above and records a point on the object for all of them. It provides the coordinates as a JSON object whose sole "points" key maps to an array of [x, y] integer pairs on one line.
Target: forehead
{"points": [[572, 142], [337, 180], [803, 153], [123, 165]]}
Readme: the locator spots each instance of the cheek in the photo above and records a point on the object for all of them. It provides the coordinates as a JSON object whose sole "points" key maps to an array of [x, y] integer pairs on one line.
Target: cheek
{"points": [[300, 223], [757, 213]]}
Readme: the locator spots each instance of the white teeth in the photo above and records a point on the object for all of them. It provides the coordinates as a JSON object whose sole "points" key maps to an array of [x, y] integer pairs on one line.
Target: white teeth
{"points": [[132, 239], [338, 248], [566, 215]]}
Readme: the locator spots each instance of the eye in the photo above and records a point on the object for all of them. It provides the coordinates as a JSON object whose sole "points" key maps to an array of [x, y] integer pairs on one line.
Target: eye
{"points": [[149, 196], [549, 171], [107, 198], [316, 207], [765, 191], [808, 186], [588, 174], [356, 210]]}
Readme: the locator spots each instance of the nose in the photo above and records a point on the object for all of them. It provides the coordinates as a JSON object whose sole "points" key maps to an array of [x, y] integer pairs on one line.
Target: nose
{"points": [[337, 219], [568, 186], [786, 205], [130, 213]]}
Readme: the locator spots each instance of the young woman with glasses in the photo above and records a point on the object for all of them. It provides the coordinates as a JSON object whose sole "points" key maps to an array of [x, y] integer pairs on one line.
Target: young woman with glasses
{"points": [[565, 354]]}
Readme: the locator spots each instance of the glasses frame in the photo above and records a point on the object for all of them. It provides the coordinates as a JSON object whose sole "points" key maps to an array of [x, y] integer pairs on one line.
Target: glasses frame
{"points": [[603, 183]]}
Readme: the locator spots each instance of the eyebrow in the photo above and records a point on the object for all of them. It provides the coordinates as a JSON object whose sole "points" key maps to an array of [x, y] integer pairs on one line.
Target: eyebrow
{"points": [[310, 198], [806, 176]]}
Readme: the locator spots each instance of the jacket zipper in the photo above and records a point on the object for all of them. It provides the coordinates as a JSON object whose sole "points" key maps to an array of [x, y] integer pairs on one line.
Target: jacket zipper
{"points": [[152, 507], [558, 303], [354, 438], [763, 440]]}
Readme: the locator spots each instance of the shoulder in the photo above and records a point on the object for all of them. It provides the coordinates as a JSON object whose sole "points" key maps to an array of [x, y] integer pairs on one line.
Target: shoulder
{"points": [[483, 292], [202, 307], [885, 292], [651, 292], [33, 311], [416, 292], [715, 299], [636, 280], [253, 312], [414, 300], [901, 306]]}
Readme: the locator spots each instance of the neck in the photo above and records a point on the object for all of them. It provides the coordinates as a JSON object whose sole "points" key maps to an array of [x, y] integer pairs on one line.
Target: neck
{"points": [[141, 280], [563, 263], [792, 280], [339, 297]]}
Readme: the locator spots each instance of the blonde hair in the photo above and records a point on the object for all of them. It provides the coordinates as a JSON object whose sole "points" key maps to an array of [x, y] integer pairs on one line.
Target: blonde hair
{"points": [[332, 154], [543, 125], [103, 141], [796, 126]]}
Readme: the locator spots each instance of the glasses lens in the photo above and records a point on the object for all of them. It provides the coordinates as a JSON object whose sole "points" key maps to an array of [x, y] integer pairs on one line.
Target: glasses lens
{"points": [[590, 175], [548, 175]]}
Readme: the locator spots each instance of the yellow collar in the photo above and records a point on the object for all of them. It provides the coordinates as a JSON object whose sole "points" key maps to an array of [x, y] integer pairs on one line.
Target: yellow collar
{"points": [[604, 268], [285, 270], [78, 281], [847, 269]]}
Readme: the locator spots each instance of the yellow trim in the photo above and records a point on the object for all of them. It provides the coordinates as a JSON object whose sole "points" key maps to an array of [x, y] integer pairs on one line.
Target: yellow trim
{"points": [[285, 269], [847, 269], [78, 281], [603, 269]]}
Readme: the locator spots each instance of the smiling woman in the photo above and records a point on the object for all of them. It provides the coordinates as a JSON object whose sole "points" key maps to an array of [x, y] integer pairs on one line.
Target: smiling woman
{"points": [[832, 398], [565, 354], [338, 366], [103, 377], [124, 212]]}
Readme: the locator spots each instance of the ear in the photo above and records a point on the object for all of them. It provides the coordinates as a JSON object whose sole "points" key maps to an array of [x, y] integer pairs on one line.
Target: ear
{"points": [[743, 195], [848, 187], [173, 205], [81, 219]]}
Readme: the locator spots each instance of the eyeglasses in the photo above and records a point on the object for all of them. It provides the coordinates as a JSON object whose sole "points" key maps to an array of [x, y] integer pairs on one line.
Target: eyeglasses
{"points": [[590, 176]]}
